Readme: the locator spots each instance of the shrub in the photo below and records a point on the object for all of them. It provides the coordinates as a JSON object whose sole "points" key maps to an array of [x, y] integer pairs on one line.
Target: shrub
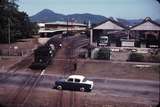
{"points": [[104, 53], [83, 55], [94, 53], [154, 58], [137, 57]]}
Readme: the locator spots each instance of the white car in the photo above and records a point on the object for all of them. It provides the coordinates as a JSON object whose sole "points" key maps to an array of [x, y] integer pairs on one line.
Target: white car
{"points": [[74, 83]]}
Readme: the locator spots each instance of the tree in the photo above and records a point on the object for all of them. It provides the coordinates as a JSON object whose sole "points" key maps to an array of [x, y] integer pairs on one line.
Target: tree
{"points": [[158, 1], [13, 24], [3, 19], [104, 54]]}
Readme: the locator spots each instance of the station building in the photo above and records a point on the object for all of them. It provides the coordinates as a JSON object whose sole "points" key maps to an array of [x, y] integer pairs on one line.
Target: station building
{"points": [[51, 28]]}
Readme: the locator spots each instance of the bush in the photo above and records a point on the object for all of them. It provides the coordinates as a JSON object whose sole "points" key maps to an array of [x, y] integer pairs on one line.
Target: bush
{"points": [[94, 53], [137, 57], [83, 55], [104, 53], [154, 58]]}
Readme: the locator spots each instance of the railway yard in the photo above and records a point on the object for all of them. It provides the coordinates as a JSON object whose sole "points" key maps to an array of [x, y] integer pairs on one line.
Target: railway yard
{"points": [[116, 83]]}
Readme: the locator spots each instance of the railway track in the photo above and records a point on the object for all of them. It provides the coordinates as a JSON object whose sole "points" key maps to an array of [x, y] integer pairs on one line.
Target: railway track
{"points": [[73, 99], [73, 43], [24, 63], [65, 99], [20, 97], [69, 98], [70, 52], [59, 99]]}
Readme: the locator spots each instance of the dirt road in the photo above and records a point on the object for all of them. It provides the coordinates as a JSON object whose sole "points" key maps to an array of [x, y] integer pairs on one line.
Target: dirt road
{"points": [[146, 92]]}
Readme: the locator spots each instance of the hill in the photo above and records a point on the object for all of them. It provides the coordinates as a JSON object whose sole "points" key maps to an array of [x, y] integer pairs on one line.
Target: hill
{"points": [[47, 15]]}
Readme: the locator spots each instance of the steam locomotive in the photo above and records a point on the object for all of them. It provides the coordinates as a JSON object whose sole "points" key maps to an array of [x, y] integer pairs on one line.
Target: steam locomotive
{"points": [[44, 54], [42, 57]]}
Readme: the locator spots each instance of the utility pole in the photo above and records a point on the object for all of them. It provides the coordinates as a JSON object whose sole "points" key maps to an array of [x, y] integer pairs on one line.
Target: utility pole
{"points": [[67, 26], [91, 32], [128, 33], [9, 35]]}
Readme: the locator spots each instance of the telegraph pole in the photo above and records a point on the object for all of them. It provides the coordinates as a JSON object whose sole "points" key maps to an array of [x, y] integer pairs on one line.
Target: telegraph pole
{"points": [[9, 35], [67, 27]]}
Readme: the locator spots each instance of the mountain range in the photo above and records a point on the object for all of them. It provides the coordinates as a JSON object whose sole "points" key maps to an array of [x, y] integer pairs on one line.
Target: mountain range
{"points": [[47, 15]]}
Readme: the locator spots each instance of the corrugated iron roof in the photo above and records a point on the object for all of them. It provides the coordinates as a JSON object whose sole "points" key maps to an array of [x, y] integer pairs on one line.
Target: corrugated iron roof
{"points": [[147, 24], [118, 26]]}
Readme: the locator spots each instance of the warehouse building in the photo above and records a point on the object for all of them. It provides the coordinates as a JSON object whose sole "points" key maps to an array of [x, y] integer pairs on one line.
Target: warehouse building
{"points": [[145, 34], [107, 33]]}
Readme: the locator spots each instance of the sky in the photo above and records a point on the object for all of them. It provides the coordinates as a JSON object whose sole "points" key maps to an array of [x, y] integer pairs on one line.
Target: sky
{"points": [[128, 9]]}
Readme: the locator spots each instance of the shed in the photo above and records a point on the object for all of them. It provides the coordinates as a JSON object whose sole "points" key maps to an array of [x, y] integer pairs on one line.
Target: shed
{"points": [[147, 32], [146, 25], [105, 28], [109, 24]]}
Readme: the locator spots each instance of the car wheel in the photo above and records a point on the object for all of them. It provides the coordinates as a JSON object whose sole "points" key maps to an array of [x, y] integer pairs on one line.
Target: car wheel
{"points": [[59, 87], [82, 89], [89, 90]]}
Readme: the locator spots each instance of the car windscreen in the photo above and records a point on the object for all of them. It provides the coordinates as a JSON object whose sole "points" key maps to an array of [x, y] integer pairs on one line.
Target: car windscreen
{"points": [[84, 80]]}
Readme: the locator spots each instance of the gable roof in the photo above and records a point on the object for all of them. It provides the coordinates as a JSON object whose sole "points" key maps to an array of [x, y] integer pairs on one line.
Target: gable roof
{"points": [[110, 24], [147, 24]]}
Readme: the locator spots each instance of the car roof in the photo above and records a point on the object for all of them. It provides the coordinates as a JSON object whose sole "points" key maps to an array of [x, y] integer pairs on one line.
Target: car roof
{"points": [[77, 76]]}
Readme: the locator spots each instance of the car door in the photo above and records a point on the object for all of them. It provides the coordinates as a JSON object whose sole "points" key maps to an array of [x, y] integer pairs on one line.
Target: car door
{"points": [[69, 84], [77, 84]]}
